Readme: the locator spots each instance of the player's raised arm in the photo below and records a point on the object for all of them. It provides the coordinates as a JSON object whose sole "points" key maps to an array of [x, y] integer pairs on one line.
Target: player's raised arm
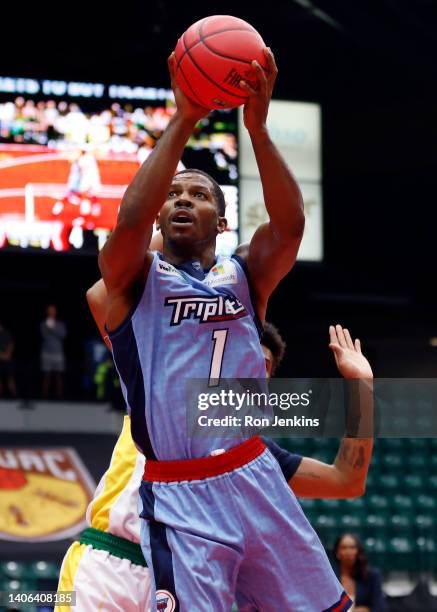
{"points": [[346, 477], [124, 258], [274, 246]]}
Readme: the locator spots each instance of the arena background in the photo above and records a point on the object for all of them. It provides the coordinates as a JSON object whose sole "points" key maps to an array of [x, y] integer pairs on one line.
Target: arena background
{"points": [[371, 66]]}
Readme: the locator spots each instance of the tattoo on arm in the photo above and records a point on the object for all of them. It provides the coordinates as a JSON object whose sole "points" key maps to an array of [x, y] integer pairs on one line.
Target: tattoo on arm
{"points": [[352, 453], [310, 475]]}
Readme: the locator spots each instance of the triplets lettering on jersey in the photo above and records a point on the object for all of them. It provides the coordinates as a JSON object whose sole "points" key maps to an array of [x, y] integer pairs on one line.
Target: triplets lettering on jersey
{"points": [[223, 307], [206, 310]]}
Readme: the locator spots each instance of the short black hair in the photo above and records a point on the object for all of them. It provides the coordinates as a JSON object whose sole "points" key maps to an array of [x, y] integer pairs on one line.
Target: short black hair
{"points": [[218, 194], [272, 339]]}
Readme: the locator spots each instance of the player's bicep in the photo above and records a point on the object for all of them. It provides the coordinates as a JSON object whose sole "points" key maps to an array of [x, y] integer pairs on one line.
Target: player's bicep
{"points": [[269, 258], [125, 256], [97, 298], [316, 479]]}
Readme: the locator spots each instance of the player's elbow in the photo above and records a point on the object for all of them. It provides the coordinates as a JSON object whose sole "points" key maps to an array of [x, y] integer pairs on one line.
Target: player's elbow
{"points": [[356, 489]]}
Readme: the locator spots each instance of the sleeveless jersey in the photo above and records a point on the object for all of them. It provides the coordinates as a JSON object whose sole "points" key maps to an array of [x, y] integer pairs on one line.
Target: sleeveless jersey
{"points": [[188, 324], [114, 507]]}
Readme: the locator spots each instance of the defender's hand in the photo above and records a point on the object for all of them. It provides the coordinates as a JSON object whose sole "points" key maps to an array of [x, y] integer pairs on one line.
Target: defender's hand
{"points": [[186, 107], [350, 361], [257, 106]]}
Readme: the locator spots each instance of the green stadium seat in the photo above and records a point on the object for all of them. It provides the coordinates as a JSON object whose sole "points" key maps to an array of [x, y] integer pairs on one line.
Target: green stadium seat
{"points": [[43, 569], [377, 503], [388, 482], [426, 544], [401, 521], [417, 462], [328, 506], [401, 503], [432, 442], [402, 544], [325, 521], [374, 545], [425, 521], [433, 462], [414, 482], [392, 445], [425, 502], [432, 483], [417, 444], [402, 552], [350, 522], [13, 569], [356, 504], [376, 521], [392, 461]]}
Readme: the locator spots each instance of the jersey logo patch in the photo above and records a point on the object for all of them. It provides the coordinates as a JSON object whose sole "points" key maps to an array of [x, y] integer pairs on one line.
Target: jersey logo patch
{"points": [[207, 310], [165, 268], [222, 274], [165, 602]]}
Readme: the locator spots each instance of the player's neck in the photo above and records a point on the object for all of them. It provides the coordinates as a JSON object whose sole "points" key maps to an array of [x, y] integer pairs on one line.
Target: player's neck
{"points": [[177, 255]]}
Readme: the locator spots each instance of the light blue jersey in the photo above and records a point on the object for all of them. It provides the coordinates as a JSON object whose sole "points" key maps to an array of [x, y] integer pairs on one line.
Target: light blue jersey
{"points": [[188, 324]]}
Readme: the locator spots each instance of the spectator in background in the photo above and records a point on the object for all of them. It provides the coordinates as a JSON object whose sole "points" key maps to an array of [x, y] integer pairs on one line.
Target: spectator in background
{"points": [[53, 333], [361, 583], [7, 379]]}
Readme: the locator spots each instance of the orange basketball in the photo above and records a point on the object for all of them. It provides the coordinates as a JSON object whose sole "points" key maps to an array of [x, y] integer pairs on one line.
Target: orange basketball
{"points": [[213, 56]]}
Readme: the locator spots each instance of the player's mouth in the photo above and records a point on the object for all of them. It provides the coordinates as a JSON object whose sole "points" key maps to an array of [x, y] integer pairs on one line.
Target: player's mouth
{"points": [[182, 218]]}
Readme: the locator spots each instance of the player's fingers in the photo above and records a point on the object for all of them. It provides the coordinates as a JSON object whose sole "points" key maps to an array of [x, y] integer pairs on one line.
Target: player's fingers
{"points": [[348, 338], [260, 74], [273, 69], [250, 90], [336, 349], [358, 345], [332, 335], [340, 336], [171, 65]]}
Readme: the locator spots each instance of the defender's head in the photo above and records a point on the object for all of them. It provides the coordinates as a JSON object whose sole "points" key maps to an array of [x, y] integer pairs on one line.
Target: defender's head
{"points": [[273, 347], [193, 213]]}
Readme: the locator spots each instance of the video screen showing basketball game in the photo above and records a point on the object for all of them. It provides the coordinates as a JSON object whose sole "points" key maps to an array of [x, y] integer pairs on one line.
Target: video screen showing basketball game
{"points": [[68, 151]]}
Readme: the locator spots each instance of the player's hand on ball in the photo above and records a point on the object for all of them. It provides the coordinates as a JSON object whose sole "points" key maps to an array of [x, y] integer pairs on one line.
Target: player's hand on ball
{"points": [[257, 106], [188, 109], [350, 361]]}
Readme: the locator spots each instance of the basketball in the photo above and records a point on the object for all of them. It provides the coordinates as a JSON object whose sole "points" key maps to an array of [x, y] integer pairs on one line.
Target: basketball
{"points": [[213, 56]]}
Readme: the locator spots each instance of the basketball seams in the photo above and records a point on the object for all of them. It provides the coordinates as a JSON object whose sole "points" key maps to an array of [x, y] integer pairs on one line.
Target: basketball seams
{"points": [[201, 39], [227, 91], [186, 80]]}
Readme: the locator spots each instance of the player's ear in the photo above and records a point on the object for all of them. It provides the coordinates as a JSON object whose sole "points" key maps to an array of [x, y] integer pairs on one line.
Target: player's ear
{"points": [[222, 224], [157, 224]]}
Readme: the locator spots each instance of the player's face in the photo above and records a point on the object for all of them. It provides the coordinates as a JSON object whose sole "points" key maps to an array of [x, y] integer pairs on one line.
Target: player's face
{"points": [[347, 551], [268, 356], [190, 212]]}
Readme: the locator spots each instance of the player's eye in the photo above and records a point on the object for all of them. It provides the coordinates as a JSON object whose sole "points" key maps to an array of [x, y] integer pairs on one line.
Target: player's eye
{"points": [[200, 194], [172, 194]]}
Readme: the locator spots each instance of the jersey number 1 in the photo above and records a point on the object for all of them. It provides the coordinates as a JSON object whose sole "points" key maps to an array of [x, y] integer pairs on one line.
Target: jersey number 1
{"points": [[219, 337]]}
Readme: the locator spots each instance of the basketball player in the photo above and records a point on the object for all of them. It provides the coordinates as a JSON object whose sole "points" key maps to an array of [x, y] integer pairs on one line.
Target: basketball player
{"points": [[109, 549], [220, 522]]}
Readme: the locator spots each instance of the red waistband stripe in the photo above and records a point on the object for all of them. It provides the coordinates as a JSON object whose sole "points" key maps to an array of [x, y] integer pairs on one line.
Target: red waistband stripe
{"points": [[206, 467]]}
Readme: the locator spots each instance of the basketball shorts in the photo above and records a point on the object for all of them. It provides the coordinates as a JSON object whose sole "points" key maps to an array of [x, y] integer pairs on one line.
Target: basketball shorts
{"points": [[227, 528], [107, 573]]}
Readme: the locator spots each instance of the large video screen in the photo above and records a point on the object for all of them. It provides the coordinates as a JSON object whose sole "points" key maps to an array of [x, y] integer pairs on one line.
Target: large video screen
{"points": [[295, 127], [68, 150]]}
